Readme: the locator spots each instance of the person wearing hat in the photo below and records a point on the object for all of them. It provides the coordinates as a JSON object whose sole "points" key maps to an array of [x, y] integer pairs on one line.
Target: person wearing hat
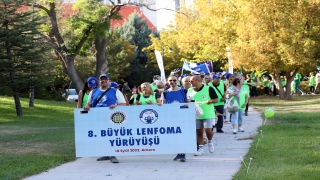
{"points": [[220, 89], [105, 96], [117, 86], [153, 85], [83, 95]]}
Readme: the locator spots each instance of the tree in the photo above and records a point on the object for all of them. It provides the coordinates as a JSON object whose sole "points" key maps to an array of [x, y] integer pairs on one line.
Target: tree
{"points": [[166, 44], [119, 53], [137, 32], [89, 21], [200, 33], [20, 51], [204, 30], [278, 36]]}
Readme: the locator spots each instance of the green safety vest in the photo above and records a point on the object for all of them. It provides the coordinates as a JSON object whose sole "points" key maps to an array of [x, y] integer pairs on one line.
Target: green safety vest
{"points": [[265, 83], [220, 96], [154, 87], [242, 97], [312, 81], [85, 99], [246, 87], [134, 99], [151, 98], [203, 96]]}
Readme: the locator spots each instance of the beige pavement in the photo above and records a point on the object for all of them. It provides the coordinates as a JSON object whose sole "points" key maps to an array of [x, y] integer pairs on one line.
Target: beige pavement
{"points": [[222, 164]]}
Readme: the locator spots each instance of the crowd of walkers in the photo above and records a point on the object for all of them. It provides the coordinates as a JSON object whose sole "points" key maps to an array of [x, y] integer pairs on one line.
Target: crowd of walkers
{"points": [[210, 92]]}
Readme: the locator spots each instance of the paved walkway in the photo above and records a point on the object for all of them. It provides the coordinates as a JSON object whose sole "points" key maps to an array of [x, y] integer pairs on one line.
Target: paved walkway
{"points": [[222, 164]]}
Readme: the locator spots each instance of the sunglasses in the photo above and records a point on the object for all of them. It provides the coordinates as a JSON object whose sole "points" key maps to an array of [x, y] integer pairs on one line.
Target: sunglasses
{"points": [[174, 80]]}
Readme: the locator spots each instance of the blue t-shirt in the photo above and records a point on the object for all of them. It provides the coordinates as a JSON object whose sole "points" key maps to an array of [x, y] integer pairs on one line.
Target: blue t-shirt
{"points": [[108, 99], [175, 96]]}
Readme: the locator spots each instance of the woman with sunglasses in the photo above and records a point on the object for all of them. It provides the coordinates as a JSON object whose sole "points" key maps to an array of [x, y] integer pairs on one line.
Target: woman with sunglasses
{"points": [[147, 95], [237, 93]]}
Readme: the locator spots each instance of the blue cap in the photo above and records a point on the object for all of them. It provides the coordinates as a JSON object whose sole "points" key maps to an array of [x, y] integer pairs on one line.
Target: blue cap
{"points": [[114, 84], [219, 73], [228, 75], [92, 82], [216, 76], [104, 75]]}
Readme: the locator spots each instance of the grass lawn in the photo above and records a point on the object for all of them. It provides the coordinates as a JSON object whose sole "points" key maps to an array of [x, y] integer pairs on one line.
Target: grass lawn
{"points": [[289, 147], [43, 138]]}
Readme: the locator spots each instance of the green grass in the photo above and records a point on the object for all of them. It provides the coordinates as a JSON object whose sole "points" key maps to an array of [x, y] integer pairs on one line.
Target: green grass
{"points": [[41, 139], [290, 145]]}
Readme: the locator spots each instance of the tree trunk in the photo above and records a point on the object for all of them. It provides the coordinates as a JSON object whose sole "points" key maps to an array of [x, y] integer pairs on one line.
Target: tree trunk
{"points": [[72, 73], [17, 102], [102, 64], [12, 74], [31, 96], [16, 95], [283, 94]]}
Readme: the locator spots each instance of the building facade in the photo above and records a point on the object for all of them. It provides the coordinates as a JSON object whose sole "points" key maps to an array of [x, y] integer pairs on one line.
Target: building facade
{"points": [[165, 10]]}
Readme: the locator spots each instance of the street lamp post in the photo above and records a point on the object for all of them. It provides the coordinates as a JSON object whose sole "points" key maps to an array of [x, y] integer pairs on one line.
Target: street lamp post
{"points": [[229, 60]]}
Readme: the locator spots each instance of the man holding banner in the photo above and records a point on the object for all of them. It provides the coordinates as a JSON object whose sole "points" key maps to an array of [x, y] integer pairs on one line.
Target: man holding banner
{"points": [[175, 94], [105, 96]]}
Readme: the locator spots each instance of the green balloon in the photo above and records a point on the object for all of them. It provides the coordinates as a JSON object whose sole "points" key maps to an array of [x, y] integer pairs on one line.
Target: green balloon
{"points": [[269, 113]]}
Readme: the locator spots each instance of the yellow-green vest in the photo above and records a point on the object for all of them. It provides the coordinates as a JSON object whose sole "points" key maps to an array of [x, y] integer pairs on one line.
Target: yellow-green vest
{"points": [[151, 98], [202, 97], [220, 96]]}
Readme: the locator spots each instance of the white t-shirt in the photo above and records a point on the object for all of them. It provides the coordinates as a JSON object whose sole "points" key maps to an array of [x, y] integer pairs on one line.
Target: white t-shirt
{"points": [[318, 77], [119, 95]]}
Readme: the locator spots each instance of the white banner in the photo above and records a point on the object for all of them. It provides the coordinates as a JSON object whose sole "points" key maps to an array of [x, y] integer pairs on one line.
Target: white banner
{"points": [[135, 130], [161, 66]]}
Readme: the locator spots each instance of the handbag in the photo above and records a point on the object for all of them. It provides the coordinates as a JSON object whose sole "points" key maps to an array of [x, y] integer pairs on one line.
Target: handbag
{"points": [[199, 111], [232, 107]]}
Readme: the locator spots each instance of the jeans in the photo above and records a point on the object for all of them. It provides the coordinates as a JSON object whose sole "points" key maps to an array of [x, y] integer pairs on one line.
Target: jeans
{"points": [[298, 87], [236, 117]]}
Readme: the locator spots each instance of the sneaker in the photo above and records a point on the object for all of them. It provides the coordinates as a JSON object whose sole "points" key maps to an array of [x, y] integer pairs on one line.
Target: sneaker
{"points": [[113, 159], [103, 158], [177, 157], [240, 130], [211, 148], [234, 131], [183, 157], [246, 114], [200, 152], [220, 131]]}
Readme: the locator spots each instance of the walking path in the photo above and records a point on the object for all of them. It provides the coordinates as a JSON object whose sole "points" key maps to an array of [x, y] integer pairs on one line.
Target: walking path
{"points": [[222, 164]]}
